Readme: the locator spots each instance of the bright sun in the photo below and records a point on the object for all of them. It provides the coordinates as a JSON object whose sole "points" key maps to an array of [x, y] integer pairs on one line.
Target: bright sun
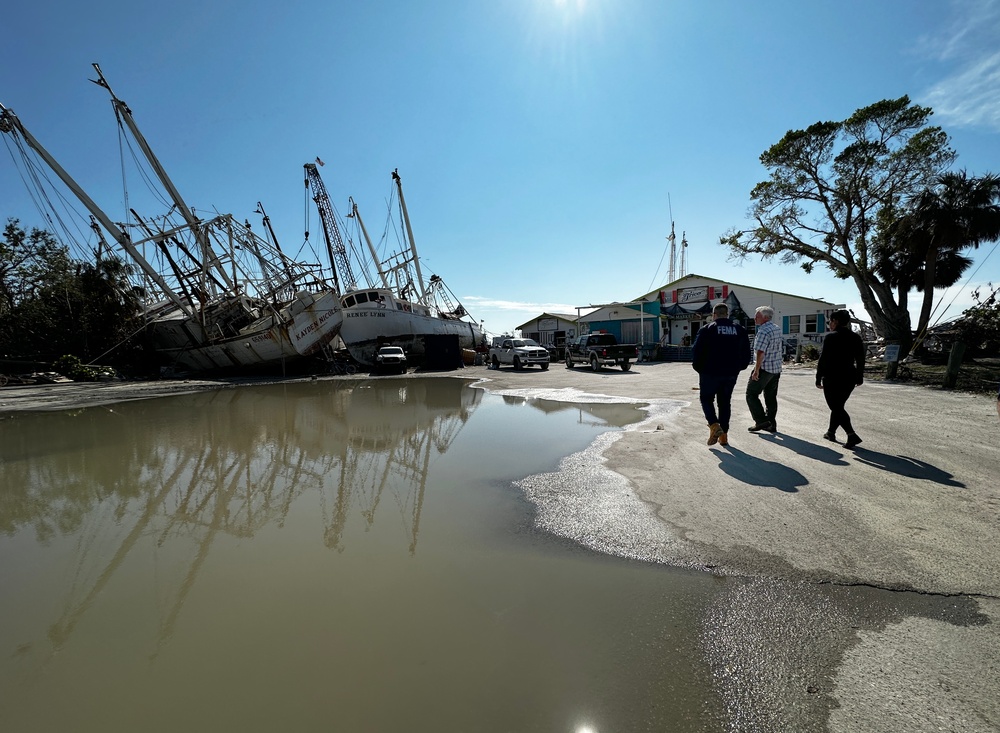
{"points": [[578, 5]]}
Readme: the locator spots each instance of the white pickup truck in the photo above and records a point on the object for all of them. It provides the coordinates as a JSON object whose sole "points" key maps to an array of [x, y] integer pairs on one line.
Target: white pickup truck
{"points": [[519, 353]]}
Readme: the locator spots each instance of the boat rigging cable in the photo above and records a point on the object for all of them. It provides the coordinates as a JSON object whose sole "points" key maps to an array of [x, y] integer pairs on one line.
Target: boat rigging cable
{"points": [[923, 334], [672, 240], [40, 189]]}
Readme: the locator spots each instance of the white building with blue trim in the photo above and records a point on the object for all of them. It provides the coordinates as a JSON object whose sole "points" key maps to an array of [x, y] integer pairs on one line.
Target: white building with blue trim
{"points": [[670, 316]]}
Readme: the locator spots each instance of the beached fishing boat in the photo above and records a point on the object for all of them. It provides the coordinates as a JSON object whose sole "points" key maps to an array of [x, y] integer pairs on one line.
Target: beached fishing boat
{"points": [[404, 309], [219, 297]]}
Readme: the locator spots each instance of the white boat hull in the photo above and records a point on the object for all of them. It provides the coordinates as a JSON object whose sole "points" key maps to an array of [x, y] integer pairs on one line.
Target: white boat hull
{"points": [[301, 329], [367, 326]]}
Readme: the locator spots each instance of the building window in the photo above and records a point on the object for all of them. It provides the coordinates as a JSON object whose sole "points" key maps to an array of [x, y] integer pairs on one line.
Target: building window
{"points": [[811, 323], [794, 324]]}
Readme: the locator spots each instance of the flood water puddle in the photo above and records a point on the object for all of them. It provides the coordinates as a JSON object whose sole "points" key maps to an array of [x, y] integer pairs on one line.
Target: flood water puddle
{"points": [[329, 555]]}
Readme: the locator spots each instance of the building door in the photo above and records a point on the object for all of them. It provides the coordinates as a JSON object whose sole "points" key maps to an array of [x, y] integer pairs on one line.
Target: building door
{"points": [[695, 325], [680, 330]]}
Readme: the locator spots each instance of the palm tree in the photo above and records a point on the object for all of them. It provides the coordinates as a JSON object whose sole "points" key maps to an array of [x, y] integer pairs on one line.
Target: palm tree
{"points": [[924, 247]]}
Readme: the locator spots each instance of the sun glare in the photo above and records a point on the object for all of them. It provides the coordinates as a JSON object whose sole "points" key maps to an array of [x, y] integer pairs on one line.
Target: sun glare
{"points": [[558, 18], [571, 5], [566, 37]]}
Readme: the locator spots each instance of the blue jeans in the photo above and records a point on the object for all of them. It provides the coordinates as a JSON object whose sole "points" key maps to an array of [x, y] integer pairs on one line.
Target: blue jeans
{"points": [[768, 384], [712, 388]]}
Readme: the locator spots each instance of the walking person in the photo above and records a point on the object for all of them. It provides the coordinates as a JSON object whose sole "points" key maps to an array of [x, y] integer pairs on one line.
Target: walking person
{"points": [[721, 352], [841, 368], [769, 350]]}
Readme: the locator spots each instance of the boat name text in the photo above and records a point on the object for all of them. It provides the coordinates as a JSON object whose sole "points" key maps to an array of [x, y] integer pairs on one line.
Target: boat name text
{"points": [[314, 325]]}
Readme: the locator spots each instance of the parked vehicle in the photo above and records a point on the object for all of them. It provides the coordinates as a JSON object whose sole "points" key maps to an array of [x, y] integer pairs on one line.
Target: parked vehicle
{"points": [[600, 350], [519, 353], [391, 359]]}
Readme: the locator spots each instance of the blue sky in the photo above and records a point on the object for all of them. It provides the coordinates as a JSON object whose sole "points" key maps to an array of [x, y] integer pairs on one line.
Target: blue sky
{"points": [[543, 144]]}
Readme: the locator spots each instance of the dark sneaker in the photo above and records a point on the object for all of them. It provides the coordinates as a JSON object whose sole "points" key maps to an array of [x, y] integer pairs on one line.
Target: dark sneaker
{"points": [[853, 439], [772, 427], [759, 426], [830, 436], [714, 431]]}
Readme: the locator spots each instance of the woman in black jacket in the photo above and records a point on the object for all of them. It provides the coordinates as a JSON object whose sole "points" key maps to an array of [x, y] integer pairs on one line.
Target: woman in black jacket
{"points": [[841, 368]]}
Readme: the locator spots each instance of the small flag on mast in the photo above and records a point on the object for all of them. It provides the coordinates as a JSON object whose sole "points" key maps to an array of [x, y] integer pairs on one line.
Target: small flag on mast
{"points": [[319, 162]]}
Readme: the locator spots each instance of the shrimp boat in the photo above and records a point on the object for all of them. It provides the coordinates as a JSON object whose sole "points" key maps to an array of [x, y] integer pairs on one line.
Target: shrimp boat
{"points": [[218, 296], [404, 309]]}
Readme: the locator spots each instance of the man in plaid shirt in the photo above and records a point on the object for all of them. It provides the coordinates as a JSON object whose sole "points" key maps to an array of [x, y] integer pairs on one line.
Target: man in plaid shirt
{"points": [[768, 347]]}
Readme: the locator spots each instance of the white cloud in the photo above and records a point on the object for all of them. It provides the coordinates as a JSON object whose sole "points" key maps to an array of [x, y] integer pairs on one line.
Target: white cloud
{"points": [[971, 96], [476, 302], [968, 94]]}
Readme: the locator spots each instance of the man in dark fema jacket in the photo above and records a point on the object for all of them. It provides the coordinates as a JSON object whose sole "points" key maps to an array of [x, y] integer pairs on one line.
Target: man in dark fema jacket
{"points": [[721, 352]]}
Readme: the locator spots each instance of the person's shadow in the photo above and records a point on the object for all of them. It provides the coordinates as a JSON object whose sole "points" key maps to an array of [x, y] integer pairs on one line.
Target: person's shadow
{"points": [[906, 466], [757, 472], [809, 450]]}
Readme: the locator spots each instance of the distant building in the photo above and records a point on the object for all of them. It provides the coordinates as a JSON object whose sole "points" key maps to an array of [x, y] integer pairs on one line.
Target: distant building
{"points": [[672, 314], [550, 329]]}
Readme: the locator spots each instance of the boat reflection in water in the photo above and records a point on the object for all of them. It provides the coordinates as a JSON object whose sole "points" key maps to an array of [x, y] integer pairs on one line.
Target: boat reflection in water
{"points": [[232, 462], [348, 554]]}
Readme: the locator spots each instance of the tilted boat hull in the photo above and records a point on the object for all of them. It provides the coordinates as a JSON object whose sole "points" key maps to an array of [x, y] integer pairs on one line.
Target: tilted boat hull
{"points": [[300, 329]]}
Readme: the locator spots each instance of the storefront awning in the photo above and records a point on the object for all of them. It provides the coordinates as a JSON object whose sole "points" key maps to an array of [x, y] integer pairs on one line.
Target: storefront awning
{"points": [[678, 311]]}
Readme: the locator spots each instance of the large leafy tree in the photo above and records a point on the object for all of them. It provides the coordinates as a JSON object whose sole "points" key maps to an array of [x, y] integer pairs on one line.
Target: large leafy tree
{"points": [[27, 260], [831, 190], [51, 304], [33, 266]]}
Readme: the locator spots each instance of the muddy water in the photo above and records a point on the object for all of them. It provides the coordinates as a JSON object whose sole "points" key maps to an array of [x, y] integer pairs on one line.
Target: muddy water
{"points": [[327, 556]]}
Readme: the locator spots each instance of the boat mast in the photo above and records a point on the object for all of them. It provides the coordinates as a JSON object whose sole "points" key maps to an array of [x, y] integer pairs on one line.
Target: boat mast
{"points": [[123, 111], [409, 234], [673, 255], [371, 248], [684, 250], [274, 238], [9, 123], [335, 248]]}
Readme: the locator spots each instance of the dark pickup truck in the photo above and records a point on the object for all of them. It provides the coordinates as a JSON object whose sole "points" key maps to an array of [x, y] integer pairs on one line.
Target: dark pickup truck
{"points": [[600, 350]]}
